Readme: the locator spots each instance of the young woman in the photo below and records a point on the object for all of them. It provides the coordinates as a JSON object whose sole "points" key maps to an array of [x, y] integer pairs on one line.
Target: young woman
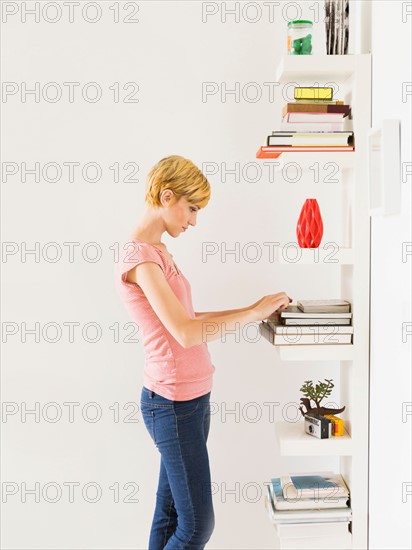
{"points": [[178, 370]]}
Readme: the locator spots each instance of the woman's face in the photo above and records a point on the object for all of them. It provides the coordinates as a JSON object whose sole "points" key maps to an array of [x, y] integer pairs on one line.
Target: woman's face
{"points": [[179, 216]]}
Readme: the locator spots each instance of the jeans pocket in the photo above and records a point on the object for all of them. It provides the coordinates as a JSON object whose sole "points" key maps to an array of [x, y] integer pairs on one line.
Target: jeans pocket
{"points": [[183, 409]]}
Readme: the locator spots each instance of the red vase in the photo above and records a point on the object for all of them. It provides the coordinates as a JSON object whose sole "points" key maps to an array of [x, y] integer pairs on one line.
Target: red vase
{"points": [[309, 229]]}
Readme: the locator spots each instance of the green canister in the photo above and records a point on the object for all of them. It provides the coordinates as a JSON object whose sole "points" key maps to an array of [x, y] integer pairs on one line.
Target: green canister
{"points": [[300, 37]]}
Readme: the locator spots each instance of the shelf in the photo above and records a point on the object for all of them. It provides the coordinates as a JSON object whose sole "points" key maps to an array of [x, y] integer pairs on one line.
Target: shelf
{"points": [[343, 542], [330, 163], [293, 441], [309, 537], [326, 254], [276, 152], [313, 68], [322, 352], [315, 352]]}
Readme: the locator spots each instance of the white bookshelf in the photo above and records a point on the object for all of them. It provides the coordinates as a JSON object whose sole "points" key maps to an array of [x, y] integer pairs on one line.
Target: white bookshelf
{"points": [[314, 352], [293, 441], [323, 352], [294, 68], [344, 160], [311, 540], [352, 73], [328, 253]]}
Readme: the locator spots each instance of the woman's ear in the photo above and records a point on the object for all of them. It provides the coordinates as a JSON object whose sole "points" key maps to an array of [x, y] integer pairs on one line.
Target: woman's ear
{"points": [[166, 197]]}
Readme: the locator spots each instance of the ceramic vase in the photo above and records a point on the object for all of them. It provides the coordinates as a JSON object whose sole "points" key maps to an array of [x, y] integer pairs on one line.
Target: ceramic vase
{"points": [[309, 229]]}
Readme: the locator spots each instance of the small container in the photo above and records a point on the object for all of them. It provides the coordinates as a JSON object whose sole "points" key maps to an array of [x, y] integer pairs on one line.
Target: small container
{"points": [[338, 425], [300, 37]]}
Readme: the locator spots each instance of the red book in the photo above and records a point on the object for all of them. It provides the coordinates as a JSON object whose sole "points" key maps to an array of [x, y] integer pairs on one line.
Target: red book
{"points": [[273, 152]]}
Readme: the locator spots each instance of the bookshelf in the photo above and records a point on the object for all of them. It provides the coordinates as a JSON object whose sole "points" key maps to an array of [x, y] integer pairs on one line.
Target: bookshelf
{"points": [[352, 74], [331, 68], [307, 161], [326, 253], [293, 441], [313, 352]]}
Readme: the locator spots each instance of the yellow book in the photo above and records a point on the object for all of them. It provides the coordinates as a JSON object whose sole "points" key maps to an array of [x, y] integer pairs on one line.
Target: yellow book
{"points": [[314, 93]]}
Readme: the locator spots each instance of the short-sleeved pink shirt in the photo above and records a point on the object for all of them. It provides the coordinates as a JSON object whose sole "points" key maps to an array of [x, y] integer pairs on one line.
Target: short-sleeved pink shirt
{"points": [[172, 371]]}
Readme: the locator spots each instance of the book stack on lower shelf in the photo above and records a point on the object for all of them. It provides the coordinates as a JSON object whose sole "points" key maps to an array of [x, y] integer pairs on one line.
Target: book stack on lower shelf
{"points": [[310, 511], [310, 322]]}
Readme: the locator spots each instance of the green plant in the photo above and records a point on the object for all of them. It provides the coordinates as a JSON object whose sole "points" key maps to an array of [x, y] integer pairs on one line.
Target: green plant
{"points": [[319, 392]]}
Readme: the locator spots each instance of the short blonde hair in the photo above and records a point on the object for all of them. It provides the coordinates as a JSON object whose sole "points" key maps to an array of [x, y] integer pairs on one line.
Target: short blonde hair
{"points": [[182, 177]]}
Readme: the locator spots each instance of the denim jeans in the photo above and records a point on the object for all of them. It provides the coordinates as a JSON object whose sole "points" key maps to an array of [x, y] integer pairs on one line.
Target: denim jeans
{"points": [[184, 515]]}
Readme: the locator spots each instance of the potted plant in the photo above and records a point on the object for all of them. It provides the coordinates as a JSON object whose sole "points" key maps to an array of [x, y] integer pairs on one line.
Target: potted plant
{"points": [[317, 394]]}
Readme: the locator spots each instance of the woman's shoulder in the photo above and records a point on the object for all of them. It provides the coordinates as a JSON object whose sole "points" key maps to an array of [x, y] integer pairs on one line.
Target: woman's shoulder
{"points": [[131, 249], [158, 246]]}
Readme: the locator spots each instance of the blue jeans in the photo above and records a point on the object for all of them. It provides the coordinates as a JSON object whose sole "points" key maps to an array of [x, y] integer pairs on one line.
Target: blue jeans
{"points": [[184, 515]]}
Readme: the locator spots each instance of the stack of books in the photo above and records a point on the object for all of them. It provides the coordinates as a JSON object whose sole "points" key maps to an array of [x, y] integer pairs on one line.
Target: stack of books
{"points": [[296, 502], [310, 322], [313, 122]]}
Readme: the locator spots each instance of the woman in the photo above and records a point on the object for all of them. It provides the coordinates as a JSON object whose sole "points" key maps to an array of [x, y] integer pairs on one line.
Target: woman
{"points": [[178, 371]]}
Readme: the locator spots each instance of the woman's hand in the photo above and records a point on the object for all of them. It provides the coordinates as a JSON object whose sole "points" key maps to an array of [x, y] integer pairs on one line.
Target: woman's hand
{"points": [[267, 305]]}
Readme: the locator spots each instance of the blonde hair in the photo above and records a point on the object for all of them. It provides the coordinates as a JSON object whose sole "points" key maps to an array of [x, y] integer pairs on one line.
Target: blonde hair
{"points": [[182, 177]]}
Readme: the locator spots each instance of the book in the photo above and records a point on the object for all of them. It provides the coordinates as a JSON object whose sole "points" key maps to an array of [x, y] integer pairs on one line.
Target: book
{"points": [[281, 503], [313, 92], [294, 312], [315, 126], [324, 306], [324, 529], [318, 330], [314, 486], [315, 108], [300, 117], [315, 321], [314, 133], [310, 138], [269, 152], [294, 335], [310, 515], [309, 339], [322, 101]]}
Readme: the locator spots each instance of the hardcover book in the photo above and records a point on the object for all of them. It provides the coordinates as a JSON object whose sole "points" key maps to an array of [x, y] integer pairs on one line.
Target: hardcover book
{"points": [[327, 485], [296, 313], [284, 138], [282, 503], [324, 306], [311, 117], [315, 108]]}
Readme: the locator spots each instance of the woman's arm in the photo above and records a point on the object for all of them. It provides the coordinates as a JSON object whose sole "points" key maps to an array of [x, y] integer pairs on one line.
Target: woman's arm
{"points": [[188, 332], [191, 332], [201, 316]]}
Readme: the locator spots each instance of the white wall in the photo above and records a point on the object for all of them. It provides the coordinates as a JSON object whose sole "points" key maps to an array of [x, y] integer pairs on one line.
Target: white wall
{"points": [[390, 370], [169, 53]]}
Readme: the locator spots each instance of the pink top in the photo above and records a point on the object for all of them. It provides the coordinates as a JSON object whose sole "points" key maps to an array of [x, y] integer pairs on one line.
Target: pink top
{"points": [[172, 371]]}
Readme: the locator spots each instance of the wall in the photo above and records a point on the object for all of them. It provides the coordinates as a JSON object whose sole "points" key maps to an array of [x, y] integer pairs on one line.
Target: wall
{"points": [[170, 53]]}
